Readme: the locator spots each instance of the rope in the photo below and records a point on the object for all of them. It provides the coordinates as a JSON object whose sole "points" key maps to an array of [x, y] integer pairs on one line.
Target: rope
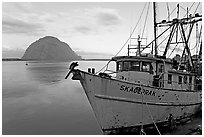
{"points": [[171, 13], [156, 38], [143, 30], [153, 119], [194, 47], [199, 40], [132, 32], [196, 8], [104, 66], [145, 20], [173, 50], [142, 132], [162, 41], [177, 43], [126, 40], [142, 129], [167, 5], [190, 8], [182, 8], [185, 29]]}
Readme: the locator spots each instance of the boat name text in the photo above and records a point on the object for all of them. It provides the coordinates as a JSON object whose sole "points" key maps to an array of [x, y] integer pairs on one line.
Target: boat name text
{"points": [[137, 90]]}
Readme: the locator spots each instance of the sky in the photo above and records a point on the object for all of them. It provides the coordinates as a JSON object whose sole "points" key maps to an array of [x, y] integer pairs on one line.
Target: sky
{"points": [[91, 29]]}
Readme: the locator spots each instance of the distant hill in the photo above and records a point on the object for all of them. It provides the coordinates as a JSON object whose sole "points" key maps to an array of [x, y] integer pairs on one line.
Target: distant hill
{"points": [[50, 48]]}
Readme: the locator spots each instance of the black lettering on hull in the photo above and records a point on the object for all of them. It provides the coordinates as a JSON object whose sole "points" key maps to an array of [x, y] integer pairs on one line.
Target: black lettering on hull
{"points": [[137, 90]]}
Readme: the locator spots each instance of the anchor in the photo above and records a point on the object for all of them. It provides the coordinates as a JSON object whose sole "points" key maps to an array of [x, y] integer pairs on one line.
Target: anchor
{"points": [[71, 68]]}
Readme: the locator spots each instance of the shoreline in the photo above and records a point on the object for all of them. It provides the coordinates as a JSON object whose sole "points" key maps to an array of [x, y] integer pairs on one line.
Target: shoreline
{"points": [[18, 59]]}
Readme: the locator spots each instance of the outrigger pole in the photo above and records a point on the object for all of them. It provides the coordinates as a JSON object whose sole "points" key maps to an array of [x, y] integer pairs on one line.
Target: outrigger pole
{"points": [[155, 28]]}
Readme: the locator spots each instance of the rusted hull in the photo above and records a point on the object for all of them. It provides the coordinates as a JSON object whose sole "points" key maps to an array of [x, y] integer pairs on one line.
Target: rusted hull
{"points": [[119, 104]]}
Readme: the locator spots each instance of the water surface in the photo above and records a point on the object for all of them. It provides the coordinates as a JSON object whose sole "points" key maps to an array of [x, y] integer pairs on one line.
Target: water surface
{"points": [[37, 100]]}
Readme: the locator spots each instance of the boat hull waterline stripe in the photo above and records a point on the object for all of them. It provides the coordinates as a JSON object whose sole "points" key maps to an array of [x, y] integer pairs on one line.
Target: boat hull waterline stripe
{"points": [[139, 102]]}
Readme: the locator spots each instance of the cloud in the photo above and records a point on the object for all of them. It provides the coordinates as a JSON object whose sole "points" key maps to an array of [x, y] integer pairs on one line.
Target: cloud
{"points": [[12, 25], [17, 7], [93, 20], [24, 6], [107, 17], [84, 29]]}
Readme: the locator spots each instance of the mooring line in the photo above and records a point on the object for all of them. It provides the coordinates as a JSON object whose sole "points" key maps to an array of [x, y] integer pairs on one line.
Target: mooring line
{"points": [[153, 119]]}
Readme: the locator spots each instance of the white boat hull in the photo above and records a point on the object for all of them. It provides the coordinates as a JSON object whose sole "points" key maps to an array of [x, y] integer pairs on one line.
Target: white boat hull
{"points": [[119, 104]]}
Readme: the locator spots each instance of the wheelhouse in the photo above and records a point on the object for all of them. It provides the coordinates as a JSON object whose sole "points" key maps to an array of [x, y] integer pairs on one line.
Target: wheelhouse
{"points": [[152, 71], [134, 65]]}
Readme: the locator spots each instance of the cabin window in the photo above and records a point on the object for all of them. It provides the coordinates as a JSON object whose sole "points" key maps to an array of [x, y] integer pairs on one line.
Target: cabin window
{"points": [[126, 66], [169, 78], [135, 66], [179, 79], [146, 66], [185, 79], [119, 66], [190, 79]]}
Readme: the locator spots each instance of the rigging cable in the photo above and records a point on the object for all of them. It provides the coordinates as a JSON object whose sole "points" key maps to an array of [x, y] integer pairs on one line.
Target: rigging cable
{"points": [[176, 44], [168, 28], [201, 27], [162, 42], [126, 40], [198, 39], [168, 11], [196, 8], [132, 32], [145, 20], [186, 27], [156, 38], [171, 13], [182, 8], [189, 8], [168, 17], [142, 129]]}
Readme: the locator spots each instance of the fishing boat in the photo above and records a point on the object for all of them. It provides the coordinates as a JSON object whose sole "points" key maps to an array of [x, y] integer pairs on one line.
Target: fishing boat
{"points": [[147, 89]]}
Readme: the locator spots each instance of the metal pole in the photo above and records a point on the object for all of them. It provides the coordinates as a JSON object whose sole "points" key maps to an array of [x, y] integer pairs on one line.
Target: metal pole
{"points": [[177, 11], [155, 28]]}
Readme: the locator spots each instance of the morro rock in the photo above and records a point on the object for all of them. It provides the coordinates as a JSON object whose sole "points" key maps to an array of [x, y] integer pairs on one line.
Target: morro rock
{"points": [[50, 48]]}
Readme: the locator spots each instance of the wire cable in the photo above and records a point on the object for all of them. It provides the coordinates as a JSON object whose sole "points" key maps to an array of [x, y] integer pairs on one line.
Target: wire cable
{"points": [[186, 27], [196, 8], [131, 32], [126, 40], [145, 20]]}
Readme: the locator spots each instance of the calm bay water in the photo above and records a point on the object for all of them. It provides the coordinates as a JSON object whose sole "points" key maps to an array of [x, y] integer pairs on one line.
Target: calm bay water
{"points": [[37, 100]]}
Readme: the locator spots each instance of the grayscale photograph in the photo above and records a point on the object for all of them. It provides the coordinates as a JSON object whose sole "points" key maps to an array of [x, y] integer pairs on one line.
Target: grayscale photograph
{"points": [[102, 68]]}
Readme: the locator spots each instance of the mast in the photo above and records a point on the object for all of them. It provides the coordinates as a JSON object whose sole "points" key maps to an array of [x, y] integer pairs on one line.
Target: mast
{"points": [[200, 52], [155, 27]]}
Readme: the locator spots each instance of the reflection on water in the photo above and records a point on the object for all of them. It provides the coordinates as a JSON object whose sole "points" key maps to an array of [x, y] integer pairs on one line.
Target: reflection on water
{"points": [[38, 100], [47, 73]]}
